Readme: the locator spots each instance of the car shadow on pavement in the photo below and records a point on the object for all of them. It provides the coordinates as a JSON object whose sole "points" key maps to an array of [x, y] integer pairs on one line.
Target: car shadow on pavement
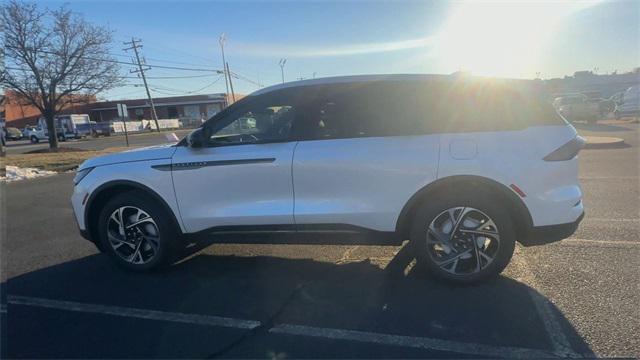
{"points": [[400, 299]]}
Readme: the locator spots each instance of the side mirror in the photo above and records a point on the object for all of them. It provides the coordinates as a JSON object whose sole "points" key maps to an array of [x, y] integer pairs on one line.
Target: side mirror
{"points": [[197, 138]]}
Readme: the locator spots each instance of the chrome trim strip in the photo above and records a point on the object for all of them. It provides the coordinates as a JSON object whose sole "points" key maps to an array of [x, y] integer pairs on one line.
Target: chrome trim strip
{"points": [[200, 164]]}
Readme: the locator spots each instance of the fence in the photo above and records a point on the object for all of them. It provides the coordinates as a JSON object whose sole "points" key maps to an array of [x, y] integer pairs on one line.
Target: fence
{"points": [[142, 125]]}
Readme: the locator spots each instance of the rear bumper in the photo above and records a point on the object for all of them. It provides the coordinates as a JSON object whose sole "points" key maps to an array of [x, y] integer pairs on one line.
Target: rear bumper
{"points": [[540, 235]]}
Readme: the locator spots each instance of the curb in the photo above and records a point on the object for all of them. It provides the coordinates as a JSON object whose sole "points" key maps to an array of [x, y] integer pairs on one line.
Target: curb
{"points": [[603, 142]]}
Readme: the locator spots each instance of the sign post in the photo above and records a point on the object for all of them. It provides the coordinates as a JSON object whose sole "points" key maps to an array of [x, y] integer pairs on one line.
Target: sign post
{"points": [[123, 113]]}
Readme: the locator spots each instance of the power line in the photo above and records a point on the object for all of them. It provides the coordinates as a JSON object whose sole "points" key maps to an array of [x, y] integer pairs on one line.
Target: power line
{"points": [[155, 66], [164, 61], [180, 91], [172, 77], [242, 77], [133, 63]]}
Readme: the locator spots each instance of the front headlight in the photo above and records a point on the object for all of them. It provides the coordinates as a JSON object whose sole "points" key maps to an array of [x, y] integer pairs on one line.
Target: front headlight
{"points": [[80, 174]]}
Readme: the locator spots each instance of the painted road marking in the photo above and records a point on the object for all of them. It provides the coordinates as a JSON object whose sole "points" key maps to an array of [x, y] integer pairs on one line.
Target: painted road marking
{"points": [[289, 329], [559, 341], [133, 312], [410, 341], [599, 242], [611, 220]]}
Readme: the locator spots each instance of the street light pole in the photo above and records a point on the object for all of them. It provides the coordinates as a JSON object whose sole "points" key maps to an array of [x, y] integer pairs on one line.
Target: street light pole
{"points": [[281, 63], [222, 40]]}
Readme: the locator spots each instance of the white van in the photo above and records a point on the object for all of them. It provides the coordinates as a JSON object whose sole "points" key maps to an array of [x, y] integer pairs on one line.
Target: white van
{"points": [[74, 126]]}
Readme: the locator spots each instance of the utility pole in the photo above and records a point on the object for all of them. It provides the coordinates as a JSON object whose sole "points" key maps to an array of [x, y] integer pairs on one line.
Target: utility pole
{"points": [[227, 80], [281, 63], [135, 46], [233, 94]]}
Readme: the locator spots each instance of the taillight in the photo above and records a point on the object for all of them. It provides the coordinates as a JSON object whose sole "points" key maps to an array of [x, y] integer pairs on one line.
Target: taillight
{"points": [[567, 151]]}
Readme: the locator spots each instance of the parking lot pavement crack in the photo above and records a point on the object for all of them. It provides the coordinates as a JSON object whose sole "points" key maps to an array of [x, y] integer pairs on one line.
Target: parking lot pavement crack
{"points": [[264, 327]]}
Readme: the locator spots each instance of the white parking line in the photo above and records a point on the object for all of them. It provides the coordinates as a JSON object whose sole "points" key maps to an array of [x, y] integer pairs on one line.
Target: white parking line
{"points": [[609, 178], [288, 329], [133, 312], [410, 341], [559, 341], [599, 242], [611, 220]]}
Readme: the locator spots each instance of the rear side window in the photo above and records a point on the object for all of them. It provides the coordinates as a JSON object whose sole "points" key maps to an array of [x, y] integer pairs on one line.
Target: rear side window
{"points": [[388, 108], [492, 106], [365, 110]]}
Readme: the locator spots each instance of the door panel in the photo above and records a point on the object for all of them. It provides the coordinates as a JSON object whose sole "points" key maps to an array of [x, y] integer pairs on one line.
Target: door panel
{"points": [[234, 185], [361, 181]]}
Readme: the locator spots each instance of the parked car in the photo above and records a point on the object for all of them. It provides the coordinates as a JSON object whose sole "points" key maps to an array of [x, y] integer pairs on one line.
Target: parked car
{"points": [[577, 107], [629, 104], [606, 106], [377, 158], [13, 133], [101, 128], [40, 133], [617, 97]]}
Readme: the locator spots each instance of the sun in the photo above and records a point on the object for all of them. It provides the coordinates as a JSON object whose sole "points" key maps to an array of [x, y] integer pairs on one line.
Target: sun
{"points": [[505, 39]]}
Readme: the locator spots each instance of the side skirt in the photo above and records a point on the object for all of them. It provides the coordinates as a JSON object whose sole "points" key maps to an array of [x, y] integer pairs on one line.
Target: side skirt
{"points": [[310, 234]]}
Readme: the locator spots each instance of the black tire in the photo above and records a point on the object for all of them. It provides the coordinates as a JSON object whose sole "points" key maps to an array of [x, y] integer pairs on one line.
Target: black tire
{"points": [[429, 210], [167, 230], [34, 139]]}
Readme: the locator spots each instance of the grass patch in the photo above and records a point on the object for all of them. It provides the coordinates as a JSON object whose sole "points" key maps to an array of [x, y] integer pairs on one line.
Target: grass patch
{"points": [[57, 150], [56, 161]]}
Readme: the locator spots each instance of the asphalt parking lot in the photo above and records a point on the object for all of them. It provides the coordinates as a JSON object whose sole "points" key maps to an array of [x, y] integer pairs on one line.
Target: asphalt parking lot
{"points": [[101, 143], [575, 298]]}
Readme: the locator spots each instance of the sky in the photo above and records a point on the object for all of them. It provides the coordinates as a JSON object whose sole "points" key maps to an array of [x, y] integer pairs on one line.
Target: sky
{"points": [[514, 39]]}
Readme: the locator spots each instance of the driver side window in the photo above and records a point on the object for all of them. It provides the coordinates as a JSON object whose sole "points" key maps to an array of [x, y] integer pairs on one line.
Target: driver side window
{"points": [[255, 123]]}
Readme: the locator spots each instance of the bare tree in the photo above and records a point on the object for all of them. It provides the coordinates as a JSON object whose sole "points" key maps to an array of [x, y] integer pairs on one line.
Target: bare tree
{"points": [[52, 54]]}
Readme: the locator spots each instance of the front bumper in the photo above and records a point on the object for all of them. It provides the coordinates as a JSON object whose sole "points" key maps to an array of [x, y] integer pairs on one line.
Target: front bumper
{"points": [[540, 235]]}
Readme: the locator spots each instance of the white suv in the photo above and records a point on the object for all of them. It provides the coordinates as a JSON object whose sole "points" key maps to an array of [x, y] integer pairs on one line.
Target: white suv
{"points": [[463, 167]]}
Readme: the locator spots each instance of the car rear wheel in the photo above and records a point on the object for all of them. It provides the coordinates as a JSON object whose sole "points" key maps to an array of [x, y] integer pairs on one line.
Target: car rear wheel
{"points": [[137, 232], [34, 139], [463, 238]]}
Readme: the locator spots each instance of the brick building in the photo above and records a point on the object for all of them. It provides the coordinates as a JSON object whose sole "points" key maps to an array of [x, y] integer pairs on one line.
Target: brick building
{"points": [[194, 107], [18, 113]]}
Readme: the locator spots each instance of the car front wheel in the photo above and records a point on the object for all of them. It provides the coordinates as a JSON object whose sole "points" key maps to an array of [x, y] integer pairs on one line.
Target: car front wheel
{"points": [[137, 232], [463, 238]]}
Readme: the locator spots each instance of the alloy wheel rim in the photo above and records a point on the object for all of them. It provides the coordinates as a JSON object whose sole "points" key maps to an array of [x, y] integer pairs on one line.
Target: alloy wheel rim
{"points": [[462, 240], [133, 235]]}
